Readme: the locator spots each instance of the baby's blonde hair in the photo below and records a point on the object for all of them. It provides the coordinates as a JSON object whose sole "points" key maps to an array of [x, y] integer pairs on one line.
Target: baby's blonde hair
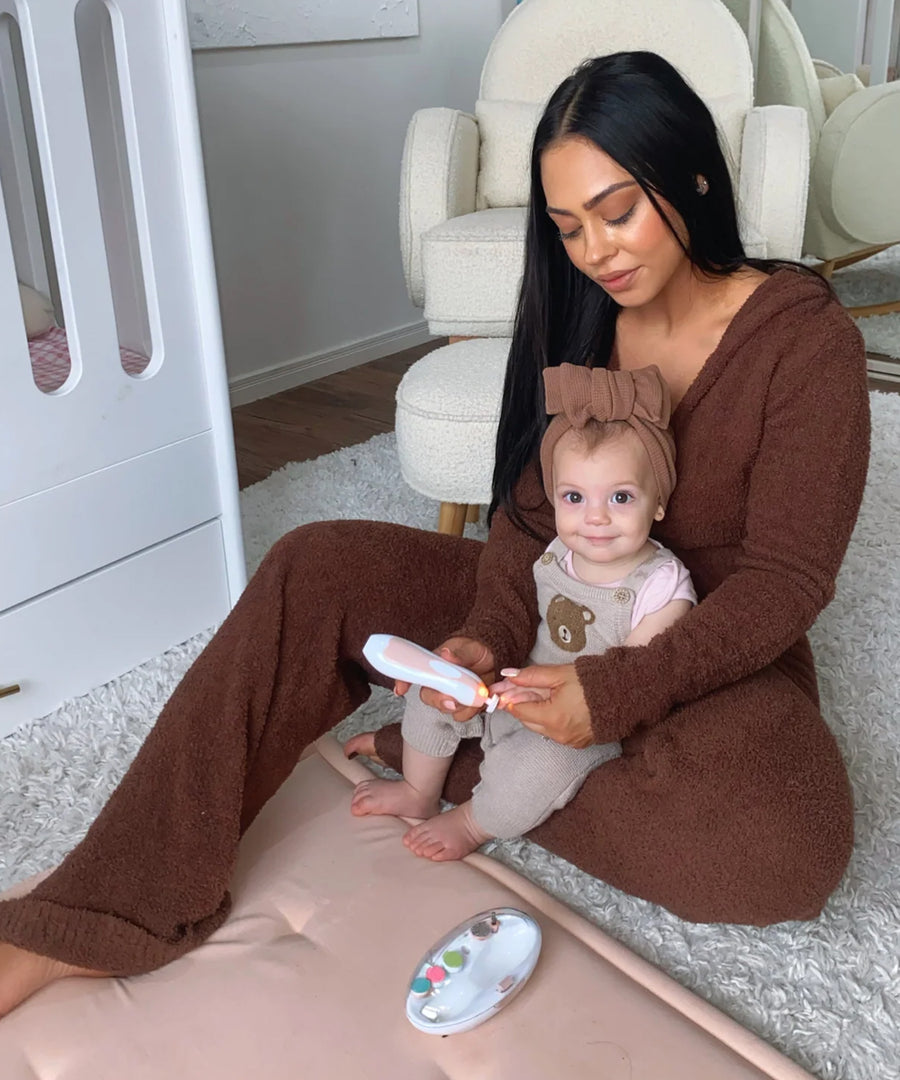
{"points": [[597, 432]]}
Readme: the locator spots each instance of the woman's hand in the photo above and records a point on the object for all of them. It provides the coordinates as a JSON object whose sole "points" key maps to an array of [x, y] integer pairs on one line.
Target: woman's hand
{"points": [[564, 716], [510, 694], [466, 653]]}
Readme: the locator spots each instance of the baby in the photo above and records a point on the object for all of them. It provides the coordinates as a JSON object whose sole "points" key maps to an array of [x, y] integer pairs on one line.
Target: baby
{"points": [[608, 466]]}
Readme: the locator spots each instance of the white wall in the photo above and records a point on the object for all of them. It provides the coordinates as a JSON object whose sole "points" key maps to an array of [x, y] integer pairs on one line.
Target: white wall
{"points": [[833, 29], [849, 33], [302, 148]]}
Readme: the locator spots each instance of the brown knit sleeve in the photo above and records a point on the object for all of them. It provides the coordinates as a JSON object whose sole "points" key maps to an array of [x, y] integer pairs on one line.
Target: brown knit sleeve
{"points": [[805, 488], [505, 614]]}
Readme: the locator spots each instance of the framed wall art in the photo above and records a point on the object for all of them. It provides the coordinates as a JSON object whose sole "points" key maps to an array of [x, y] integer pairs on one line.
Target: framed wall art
{"points": [[223, 24]]}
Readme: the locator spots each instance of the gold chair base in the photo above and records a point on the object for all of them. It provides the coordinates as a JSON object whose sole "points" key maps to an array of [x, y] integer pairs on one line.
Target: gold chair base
{"points": [[827, 269]]}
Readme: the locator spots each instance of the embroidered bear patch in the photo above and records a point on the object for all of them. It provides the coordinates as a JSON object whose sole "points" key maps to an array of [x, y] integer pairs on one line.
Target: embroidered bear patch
{"points": [[567, 621]]}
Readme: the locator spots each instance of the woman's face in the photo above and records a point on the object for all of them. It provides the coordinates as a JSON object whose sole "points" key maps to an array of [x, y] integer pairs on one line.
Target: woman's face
{"points": [[610, 229]]}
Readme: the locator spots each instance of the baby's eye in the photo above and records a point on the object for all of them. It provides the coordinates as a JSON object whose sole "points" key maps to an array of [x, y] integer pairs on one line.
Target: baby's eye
{"points": [[573, 497], [621, 498]]}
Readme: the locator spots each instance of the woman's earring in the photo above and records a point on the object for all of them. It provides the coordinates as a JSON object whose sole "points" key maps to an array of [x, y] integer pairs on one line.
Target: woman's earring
{"points": [[702, 184]]}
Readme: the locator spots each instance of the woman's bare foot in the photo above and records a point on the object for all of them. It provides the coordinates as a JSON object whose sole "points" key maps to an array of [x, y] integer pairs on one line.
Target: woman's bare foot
{"points": [[446, 836], [392, 797], [364, 744], [23, 973]]}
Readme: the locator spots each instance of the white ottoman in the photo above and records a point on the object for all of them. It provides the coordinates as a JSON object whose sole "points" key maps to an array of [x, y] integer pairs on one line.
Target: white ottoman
{"points": [[448, 405]]}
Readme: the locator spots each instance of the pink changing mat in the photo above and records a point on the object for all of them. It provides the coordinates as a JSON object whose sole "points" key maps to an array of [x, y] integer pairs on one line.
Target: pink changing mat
{"points": [[51, 363], [308, 977]]}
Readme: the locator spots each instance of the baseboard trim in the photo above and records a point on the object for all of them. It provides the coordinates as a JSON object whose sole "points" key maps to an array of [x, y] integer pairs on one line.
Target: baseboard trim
{"points": [[273, 380]]}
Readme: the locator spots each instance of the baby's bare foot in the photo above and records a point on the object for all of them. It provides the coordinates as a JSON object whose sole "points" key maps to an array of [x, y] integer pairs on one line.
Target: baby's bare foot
{"points": [[364, 744], [23, 973], [446, 836], [392, 797]]}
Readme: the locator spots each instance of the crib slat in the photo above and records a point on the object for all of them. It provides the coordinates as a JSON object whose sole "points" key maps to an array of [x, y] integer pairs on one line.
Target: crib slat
{"points": [[15, 170], [15, 372], [61, 127], [151, 133], [15, 364]]}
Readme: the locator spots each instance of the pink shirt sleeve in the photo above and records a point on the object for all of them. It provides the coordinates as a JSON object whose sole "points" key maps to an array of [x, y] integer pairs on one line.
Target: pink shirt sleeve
{"points": [[669, 582]]}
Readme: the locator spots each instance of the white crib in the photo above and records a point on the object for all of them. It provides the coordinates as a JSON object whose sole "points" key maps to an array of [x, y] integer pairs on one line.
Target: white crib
{"points": [[119, 521]]}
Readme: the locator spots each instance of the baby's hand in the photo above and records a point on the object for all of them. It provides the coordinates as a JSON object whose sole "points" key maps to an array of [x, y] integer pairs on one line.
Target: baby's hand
{"points": [[510, 694]]}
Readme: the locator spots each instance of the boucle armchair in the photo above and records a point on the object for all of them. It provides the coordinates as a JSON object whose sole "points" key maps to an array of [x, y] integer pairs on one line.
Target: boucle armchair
{"points": [[465, 178], [853, 209]]}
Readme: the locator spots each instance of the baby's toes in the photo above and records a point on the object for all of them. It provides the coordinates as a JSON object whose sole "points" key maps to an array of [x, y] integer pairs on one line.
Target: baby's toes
{"points": [[361, 802], [413, 837], [421, 841]]}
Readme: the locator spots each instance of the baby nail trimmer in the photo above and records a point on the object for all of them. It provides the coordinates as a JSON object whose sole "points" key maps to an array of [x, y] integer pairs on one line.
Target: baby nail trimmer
{"points": [[402, 659]]}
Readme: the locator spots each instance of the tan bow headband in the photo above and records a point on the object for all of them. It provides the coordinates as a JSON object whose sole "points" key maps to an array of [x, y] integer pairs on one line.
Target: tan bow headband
{"points": [[575, 394]]}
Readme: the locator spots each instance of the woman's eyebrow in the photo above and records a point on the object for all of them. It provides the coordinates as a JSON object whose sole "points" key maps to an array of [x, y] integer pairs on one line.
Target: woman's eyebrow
{"points": [[591, 203]]}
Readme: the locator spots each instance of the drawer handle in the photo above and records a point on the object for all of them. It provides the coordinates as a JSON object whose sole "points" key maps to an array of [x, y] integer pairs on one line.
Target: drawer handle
{"points": [[8, 691]]}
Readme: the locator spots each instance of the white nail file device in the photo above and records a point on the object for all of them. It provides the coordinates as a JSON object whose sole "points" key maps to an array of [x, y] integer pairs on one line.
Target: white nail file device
{"points": [[402, 659]]}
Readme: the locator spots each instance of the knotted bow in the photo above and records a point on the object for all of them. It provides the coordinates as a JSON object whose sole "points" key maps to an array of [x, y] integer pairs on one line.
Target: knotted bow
{"points": [[575, 394]]}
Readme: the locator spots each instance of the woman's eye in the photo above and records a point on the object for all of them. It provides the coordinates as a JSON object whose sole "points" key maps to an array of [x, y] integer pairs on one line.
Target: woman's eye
{"points": [[569, 235], [621, 220], [621, 498]]}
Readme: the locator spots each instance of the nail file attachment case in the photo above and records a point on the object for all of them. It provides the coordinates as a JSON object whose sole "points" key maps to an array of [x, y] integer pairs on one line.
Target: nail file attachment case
{"points": [[473, 972]]}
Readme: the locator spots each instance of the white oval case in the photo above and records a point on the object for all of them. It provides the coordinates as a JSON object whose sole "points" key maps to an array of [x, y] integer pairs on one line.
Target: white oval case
{"points": [[499, 950]]}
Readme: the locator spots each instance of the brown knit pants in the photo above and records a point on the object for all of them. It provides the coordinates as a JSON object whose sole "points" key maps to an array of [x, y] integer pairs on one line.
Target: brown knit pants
{"points": [[149, 881]]}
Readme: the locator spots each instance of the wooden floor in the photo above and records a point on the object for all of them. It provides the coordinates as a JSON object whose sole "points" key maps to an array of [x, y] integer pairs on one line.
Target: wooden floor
{"points": [[328, 414], [318, 417]]}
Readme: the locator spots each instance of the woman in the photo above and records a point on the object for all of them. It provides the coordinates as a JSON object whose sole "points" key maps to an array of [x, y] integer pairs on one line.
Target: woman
{"points": [[730, 802]]}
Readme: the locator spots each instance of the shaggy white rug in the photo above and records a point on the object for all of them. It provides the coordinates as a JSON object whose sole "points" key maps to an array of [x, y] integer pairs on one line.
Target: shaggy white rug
{"points": [[826, 993]]}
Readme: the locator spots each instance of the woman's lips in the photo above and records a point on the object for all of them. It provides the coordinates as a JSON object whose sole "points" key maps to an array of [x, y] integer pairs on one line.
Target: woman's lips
{"points": [[617, 282]]}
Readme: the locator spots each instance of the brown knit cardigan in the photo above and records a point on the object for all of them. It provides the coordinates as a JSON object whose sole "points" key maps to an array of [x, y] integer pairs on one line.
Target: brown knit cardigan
{"points": [[773, 446]]}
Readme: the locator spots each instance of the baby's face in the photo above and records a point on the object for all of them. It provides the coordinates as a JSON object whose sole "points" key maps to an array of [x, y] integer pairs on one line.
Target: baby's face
{"points": [[606, 501]]}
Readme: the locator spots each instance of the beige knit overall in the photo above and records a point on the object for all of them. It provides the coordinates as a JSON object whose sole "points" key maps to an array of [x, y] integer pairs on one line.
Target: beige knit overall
{"points": [[526, 776]]}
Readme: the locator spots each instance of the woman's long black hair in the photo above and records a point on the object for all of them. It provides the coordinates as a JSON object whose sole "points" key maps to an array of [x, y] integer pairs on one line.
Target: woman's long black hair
{"points": [[638, 109]]}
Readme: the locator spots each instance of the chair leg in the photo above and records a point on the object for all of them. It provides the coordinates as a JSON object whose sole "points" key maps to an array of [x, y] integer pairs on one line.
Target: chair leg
{"points": [[827, 269], [874, 309], [452, 518], [472, 513]]}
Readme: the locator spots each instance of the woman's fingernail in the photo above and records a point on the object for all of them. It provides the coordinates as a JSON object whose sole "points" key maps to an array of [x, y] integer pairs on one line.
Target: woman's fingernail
{"points": [[509, 672], [448, 704]]}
